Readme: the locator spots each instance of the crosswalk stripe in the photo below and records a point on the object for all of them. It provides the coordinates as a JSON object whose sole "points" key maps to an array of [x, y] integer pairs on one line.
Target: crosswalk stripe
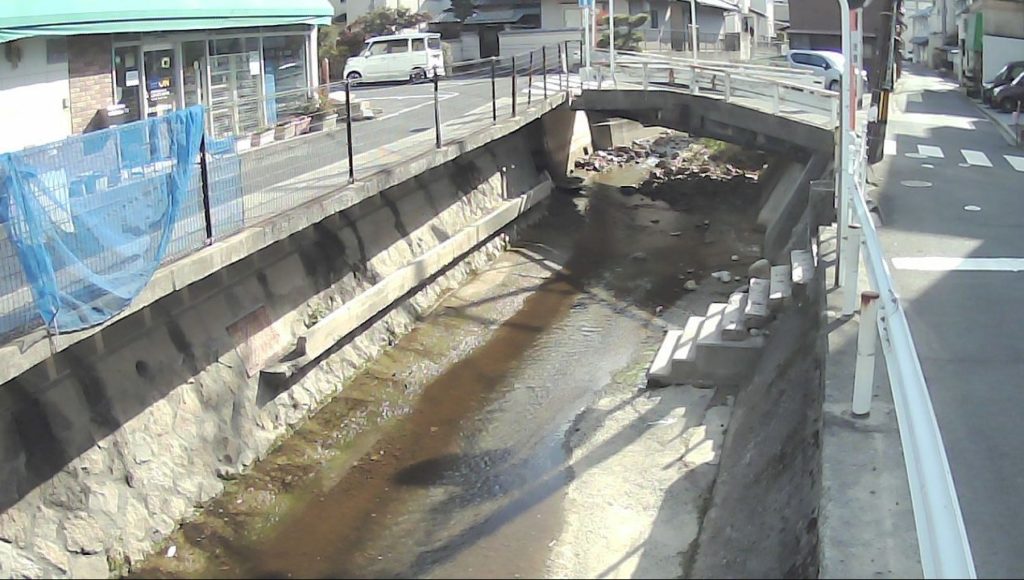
{"points": [[930, 151], [976, 158], [890, 147], [1016, 162]]}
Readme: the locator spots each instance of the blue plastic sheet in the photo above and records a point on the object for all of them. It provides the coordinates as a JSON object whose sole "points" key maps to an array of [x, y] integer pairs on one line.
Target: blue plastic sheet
{"points": [[91, 216]]}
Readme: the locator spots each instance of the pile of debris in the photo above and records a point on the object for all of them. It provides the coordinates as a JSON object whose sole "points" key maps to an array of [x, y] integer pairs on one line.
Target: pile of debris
{"points": [[671, 156]]}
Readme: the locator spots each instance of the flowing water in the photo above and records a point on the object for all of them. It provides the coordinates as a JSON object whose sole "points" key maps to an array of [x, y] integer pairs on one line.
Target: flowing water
{"points": [[448, 455]]}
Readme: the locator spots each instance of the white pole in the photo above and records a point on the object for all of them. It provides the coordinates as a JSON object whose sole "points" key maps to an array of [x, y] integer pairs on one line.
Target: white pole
{"points": [[845, 128], [693, 28], [850, 262], [864, 374], [611, 38], [586, 36]]}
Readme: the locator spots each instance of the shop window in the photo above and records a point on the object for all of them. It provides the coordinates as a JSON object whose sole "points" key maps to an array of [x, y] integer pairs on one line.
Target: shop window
{"points": [[286, 81]]}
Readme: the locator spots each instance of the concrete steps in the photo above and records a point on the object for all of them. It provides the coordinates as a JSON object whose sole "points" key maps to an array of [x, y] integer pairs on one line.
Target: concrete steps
{"points": [[724, 345]]}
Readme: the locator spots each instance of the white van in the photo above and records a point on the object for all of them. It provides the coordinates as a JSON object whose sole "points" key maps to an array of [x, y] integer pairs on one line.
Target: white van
{"points": [[397, 57]]}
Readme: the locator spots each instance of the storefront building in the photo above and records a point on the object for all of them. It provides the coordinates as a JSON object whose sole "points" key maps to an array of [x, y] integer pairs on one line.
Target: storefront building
{"points": [[70, 66]]}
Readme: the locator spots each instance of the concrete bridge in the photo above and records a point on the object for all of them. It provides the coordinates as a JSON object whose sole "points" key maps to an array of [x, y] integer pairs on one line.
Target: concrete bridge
{"points": [[111, 435]]}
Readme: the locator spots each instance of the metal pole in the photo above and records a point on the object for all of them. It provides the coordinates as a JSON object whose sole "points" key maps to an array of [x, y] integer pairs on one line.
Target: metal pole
{"points": [[845, 130], [544, 69], [851, 263], [437, 113], [494, 91], [348, 131], [864, 375], [529, 82], [204, 178], [611, 39], [514, 92], [693, 28]]}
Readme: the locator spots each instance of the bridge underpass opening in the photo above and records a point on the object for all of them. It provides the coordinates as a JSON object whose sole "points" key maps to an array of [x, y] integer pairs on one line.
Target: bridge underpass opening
{"points": [[513, 431]]}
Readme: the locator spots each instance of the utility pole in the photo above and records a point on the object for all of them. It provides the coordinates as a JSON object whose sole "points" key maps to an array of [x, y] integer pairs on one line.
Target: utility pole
{"points": [[693, 28]]}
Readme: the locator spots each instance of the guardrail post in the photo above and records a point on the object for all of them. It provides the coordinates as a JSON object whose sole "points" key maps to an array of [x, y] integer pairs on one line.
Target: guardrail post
{"points": [[348, 131], [514, 91], [864, 375], [645, 76], [851, 263], [529, 82], [693, 80], [728, 86], [437, 113], [494, 91], [544, 69], [204, 178], [776, 98]]}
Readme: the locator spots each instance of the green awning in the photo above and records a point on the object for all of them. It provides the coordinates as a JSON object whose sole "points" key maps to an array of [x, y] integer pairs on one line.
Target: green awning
{"points": [[27, 18]]}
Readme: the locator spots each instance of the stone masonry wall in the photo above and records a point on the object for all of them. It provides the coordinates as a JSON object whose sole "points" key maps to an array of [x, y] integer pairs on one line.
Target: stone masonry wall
{"points": [[120, 437], [90, 71]]}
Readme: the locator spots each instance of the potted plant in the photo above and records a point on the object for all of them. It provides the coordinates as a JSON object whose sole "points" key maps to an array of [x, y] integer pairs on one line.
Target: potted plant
{"points": [[262, 136], [285, 130], [323, 114]]}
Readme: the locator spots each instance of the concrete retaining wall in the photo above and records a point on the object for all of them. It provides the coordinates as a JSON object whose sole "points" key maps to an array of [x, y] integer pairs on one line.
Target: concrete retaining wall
{"points": [[108, 444]]}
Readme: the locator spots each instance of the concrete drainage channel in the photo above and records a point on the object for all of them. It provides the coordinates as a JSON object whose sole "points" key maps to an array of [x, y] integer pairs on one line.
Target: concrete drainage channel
{"points": [[515, 432]]}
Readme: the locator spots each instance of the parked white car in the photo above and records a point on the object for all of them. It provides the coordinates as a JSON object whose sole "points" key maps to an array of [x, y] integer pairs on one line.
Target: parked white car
{"points": [[826, 64], [397, 57]]}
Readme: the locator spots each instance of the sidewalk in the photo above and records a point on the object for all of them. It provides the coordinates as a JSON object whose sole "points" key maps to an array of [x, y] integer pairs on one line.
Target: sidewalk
{"points": [[867, 521], [1014, 135]]}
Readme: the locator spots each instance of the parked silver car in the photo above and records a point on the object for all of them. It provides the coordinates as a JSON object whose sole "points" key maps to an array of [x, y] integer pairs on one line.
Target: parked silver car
{"points": [[826, 64]]}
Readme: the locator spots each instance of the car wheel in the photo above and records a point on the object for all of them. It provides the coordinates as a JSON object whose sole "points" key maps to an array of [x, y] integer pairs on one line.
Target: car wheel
{"points": [[833, 86], [417, 75], [354, 76]]}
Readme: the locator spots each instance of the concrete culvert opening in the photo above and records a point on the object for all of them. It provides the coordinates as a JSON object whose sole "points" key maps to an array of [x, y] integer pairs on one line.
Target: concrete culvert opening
{"points": [[514, 432]]}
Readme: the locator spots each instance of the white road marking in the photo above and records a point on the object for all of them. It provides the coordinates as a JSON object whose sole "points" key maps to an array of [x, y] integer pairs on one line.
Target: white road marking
{"points": [[940, 264], [930, 151], [976, 158], [1016, 162], [412, 108], [890, 147]]}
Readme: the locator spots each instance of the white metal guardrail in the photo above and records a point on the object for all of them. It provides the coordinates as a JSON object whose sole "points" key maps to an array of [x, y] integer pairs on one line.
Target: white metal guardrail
{"points": [[942, 538], [941, 535]]}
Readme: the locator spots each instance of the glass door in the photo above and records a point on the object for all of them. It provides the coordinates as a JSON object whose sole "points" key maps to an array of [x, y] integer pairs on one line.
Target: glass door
{"points": [[161, 89], [127, 83]]}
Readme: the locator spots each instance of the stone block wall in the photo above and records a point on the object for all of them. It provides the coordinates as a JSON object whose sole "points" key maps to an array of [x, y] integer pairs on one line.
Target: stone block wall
{"points": [[91, 74], [108, 445]]}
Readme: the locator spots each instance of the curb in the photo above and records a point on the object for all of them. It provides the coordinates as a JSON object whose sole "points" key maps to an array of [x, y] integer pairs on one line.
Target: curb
{"points": [[1004, 130]]}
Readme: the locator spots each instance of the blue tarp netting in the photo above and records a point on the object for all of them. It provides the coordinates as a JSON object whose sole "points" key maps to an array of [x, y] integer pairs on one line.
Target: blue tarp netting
{"points": [[91, 216]]}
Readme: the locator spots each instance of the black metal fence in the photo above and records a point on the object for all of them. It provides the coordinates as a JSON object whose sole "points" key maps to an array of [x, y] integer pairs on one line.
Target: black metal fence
{"points": [[348, 130]]}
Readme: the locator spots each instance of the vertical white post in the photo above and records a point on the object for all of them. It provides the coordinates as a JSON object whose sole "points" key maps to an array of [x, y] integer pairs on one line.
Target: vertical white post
{"points": [[693, 28], [693, 80], [850, 262], [728, 86], [864, 375], [776, 98], [845, 129], [611, 38], [645, 76]]}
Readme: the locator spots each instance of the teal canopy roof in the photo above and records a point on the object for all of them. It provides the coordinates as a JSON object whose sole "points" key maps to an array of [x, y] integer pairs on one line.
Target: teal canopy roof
{"points": [[25, 18]]}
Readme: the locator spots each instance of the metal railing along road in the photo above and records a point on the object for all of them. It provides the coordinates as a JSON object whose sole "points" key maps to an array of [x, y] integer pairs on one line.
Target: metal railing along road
{"points": [[324, 139], [942, 538]]}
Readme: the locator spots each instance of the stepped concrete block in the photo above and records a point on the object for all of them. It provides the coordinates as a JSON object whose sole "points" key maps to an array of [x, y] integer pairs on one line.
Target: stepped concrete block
{"points": [[660, 371], [684, 358], [733, 325], [756, 313], [781, 286], [802, 262]]}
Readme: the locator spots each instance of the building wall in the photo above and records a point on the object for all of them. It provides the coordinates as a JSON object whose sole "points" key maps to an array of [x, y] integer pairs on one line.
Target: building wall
{"points": [[90, 70], [553, 14], [1004, 19], [33, 95]]}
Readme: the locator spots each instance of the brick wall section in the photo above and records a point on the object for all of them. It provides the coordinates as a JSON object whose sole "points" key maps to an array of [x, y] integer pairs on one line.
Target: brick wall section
{"points": [[90, 68]]}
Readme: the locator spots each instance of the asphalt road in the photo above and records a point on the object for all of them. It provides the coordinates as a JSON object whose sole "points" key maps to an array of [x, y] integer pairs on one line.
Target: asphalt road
{"points": [[945, 159]]}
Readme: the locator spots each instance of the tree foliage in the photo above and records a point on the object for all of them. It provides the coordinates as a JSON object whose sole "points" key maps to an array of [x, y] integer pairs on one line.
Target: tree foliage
{"points": [[628, 35], [338, 42], [463, 9]]}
